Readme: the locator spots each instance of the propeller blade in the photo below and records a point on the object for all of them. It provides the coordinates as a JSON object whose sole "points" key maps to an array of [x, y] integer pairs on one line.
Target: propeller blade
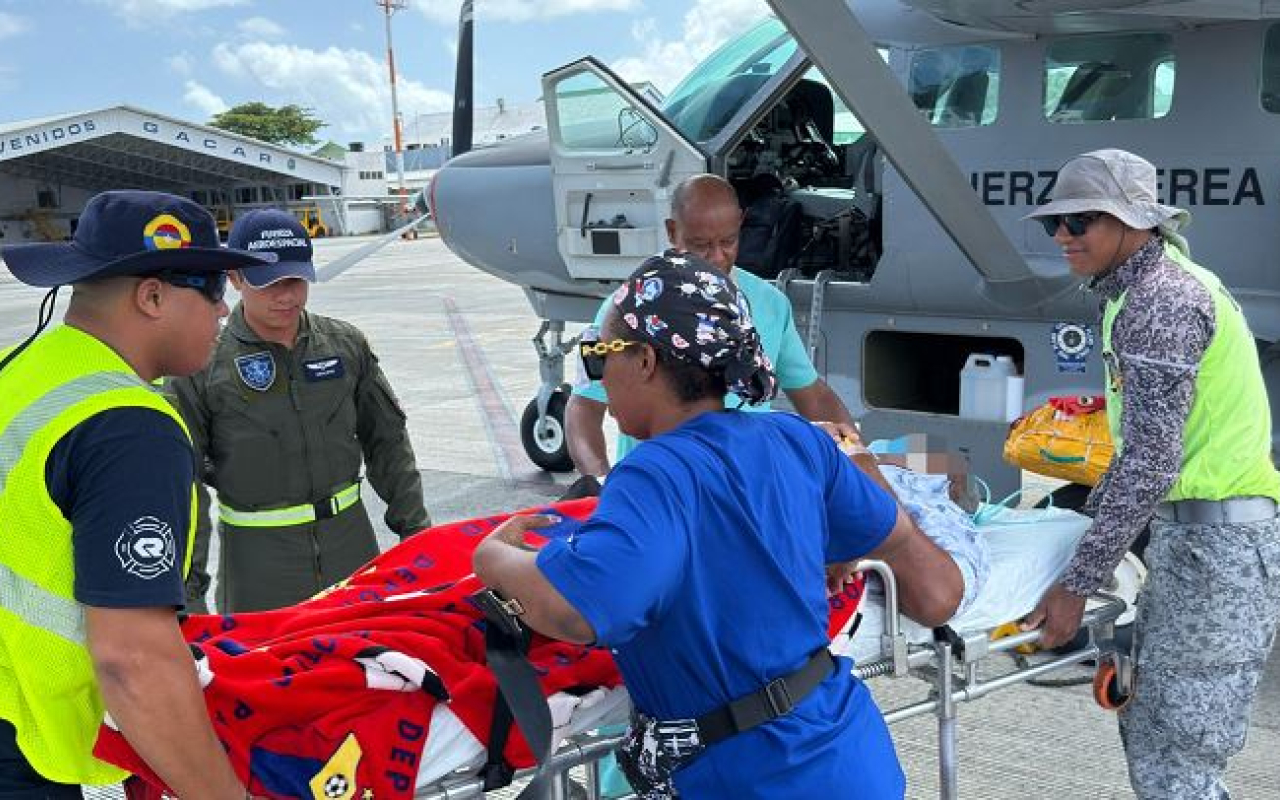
{"points": [[340, 265], [462, 88]]}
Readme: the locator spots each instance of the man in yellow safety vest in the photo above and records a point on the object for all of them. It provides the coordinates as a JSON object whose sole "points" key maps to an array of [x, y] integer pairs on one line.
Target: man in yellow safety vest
{"points": [[97, 501]]}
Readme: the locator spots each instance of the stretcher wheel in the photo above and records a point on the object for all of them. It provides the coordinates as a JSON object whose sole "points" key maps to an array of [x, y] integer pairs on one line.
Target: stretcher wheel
{"points": [[1106, 687]]}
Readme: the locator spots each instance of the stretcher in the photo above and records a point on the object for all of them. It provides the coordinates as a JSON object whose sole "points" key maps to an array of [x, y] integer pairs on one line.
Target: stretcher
{"points": [[1029, 549], [379, 687]]}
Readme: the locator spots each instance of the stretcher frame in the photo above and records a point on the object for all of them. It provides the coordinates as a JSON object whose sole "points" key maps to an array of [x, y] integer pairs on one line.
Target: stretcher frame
{"points": [[951, 663]]}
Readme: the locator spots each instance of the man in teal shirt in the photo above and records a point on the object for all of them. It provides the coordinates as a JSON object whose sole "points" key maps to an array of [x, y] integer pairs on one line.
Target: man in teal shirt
{"points": [[705, 218]]}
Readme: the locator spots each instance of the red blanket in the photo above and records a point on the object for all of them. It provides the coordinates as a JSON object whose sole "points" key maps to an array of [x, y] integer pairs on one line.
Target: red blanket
{"points": [[333, 697]]}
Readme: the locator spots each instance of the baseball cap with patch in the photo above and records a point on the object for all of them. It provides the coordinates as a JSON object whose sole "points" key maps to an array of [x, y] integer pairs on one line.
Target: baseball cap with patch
{"points": [[129, 233], [276, 232]]}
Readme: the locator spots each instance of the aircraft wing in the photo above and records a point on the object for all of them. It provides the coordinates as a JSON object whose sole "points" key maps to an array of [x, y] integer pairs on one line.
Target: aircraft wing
{"points": [[1090, 16]]}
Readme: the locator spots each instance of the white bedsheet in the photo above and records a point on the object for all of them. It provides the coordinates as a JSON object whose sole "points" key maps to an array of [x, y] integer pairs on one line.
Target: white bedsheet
{"points": [[1029, 549], [451, 745]]}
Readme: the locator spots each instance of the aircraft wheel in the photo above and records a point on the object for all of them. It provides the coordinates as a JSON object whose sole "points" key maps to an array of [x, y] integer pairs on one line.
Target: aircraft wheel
{"points": [[550, 450]]}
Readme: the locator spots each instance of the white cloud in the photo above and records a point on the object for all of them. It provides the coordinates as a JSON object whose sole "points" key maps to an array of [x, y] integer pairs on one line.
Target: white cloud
{"points": [[144, 13], [202, 98], [524, 10], [12, 25], [706, 26], [181, 64], [260, 28], [347, 89]]}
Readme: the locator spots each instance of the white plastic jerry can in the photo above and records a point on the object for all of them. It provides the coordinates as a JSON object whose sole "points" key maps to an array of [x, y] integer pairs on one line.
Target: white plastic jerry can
{"points": [[990, 388]]}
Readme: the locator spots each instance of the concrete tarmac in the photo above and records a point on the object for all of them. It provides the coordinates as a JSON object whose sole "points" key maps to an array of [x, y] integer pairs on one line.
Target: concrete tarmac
{"points": [[455, 343]]}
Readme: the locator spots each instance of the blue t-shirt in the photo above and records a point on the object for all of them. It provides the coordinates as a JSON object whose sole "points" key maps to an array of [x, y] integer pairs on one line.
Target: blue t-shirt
{"points": [[123, 479], [703, 567], [771, 313]]}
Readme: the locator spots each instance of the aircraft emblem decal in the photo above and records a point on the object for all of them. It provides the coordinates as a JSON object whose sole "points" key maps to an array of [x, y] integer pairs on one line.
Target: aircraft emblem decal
{"points": [[1072, 344], [257, 370]]}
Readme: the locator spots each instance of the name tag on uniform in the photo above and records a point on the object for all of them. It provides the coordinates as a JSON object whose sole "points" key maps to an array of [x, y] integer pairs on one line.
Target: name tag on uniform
{"points": [[323, 369]]}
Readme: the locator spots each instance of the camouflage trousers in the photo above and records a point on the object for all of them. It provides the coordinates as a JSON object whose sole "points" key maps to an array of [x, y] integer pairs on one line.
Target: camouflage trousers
{"points": [[1206, 623]]}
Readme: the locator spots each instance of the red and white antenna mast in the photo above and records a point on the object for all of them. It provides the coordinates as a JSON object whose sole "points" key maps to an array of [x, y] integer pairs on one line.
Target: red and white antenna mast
{"points": [[390, 7]]}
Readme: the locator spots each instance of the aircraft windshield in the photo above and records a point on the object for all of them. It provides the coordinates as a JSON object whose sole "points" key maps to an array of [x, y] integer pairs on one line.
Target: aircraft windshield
{"points": [[710, 95]]}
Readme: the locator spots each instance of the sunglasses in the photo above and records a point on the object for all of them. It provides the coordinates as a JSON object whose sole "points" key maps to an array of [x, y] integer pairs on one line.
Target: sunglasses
{"points": [[1076, 224], [213, 285], [594, 353]]}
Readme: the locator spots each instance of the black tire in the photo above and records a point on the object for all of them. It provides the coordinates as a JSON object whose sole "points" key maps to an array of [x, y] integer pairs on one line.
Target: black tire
{"points": [[552, 452]]}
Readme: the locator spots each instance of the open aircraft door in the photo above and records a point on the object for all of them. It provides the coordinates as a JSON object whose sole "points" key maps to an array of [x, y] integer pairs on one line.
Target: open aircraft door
{"points": [[614, 162]]}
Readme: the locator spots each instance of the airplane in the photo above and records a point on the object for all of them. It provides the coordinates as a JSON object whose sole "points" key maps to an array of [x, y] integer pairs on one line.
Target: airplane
{"points": [[912, 255]]}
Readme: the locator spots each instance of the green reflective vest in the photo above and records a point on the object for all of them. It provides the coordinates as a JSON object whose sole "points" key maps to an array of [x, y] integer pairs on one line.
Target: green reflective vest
{"points": [[47, 687], [1226, 443]]}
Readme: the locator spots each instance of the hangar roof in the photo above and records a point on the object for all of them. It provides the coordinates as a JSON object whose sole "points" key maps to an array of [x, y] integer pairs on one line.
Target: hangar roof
{"points": [[123, 147]]}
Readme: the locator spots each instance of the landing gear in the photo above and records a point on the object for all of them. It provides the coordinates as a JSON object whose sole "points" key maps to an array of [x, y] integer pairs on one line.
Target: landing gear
{"points": [[542, 428]]}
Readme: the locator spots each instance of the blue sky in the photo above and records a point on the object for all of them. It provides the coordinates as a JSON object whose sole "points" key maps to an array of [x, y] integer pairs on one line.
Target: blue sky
{"points": [[192, 58]]}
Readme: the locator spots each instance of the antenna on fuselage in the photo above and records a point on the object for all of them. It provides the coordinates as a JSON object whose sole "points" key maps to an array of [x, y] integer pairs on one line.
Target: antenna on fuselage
{"points": [[462, 88]]}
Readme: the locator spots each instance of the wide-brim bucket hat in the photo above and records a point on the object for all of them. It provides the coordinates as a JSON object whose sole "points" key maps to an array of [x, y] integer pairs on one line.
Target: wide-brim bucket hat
{"points": [[130, 233], [1115, 182]]}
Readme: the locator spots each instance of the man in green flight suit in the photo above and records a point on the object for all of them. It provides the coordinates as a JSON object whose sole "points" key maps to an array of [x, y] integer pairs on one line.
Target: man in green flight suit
{"points": [[290, 406]]}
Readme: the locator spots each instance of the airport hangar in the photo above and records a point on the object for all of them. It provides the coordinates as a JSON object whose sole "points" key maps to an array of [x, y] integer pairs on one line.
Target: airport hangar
{"points": [[50, 167]]}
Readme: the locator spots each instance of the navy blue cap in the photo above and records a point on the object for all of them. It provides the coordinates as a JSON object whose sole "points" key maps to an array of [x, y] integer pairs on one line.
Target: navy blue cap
{"points": [[270, 230], [129, 233]]}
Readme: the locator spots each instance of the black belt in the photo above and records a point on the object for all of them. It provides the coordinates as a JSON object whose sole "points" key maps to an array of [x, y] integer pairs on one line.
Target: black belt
{"points": [[774, 700]]}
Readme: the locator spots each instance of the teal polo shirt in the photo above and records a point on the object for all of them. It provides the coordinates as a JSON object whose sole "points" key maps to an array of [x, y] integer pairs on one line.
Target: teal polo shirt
{"points": [[771, 312]]}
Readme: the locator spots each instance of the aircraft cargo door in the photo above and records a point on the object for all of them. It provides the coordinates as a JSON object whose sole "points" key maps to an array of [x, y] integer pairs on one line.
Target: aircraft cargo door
{"points": [[614, 163]]}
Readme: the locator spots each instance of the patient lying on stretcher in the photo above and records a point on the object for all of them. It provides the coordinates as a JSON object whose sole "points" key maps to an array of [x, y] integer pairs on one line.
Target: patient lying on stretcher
{"points": [[932, 486]]}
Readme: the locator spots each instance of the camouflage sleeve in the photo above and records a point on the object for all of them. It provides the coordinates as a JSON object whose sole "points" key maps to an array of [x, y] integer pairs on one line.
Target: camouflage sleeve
{"points": [[1159, 338], [388, 455]]}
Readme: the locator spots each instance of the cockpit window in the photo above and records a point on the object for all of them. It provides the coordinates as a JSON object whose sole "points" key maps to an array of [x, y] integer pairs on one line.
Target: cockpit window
{"points": [[1270, 87], [1101, 78], [956, 87], [710, 95]]}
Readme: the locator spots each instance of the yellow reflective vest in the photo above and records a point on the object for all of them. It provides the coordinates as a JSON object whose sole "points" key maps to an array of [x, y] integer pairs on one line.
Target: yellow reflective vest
{"points": [[47, 687], [1226, 442]]}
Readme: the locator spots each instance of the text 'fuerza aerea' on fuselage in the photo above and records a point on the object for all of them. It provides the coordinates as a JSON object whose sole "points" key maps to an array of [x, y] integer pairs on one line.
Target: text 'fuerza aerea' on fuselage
{"points": [[1178, 186]]}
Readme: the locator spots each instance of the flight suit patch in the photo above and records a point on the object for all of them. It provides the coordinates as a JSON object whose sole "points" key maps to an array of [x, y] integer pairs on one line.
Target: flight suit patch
{"points": [[323, 369], [257, 370]]}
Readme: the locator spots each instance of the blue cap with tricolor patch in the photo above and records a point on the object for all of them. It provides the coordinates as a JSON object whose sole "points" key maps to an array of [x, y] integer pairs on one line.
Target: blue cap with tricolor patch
{"points": [[129, 233]]}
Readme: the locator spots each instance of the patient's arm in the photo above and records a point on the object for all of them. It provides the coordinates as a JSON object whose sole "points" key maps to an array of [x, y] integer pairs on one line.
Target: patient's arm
{"points": [[857, 452], [930, 586], [504, 562]]}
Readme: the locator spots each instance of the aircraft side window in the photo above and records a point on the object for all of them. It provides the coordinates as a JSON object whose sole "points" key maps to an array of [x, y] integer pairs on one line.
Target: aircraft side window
{"points": [[595, 117], [956, 87], [1269, 89], [1102, 78]]}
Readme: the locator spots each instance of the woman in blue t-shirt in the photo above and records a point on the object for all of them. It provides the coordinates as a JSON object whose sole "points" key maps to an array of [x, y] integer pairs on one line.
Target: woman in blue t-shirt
{"points": [[706, 564]]}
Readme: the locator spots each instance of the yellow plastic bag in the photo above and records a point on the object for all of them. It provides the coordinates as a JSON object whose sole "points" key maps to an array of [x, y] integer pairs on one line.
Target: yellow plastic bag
{"points": [[1055, 442]]}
